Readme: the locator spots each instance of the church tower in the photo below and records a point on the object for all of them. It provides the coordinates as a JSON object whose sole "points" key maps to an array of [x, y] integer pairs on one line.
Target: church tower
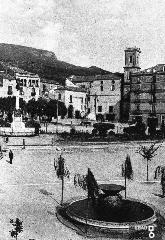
{"points": [[131, 62], [131, 66]]}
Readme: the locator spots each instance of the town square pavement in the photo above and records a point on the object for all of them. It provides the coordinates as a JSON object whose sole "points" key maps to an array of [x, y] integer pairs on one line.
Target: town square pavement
{"points": [[30, 190]]}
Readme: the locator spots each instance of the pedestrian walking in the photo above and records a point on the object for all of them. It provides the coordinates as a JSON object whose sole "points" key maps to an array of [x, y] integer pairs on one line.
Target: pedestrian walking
{"points": [[11, 156], [163, 182], [23, 143]]}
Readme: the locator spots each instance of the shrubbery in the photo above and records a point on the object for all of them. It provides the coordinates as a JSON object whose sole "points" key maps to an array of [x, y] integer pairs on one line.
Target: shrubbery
{"points": [[4, 123]]}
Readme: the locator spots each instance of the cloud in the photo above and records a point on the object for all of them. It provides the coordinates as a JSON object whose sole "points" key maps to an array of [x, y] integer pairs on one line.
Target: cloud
{"points": [[89, 32]]}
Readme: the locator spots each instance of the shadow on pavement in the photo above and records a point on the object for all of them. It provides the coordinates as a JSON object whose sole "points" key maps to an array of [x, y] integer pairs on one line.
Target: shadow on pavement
{"points": [[45, 192], [159, 195]]}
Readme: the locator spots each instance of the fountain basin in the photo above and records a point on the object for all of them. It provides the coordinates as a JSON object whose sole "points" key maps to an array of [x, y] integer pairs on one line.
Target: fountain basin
{"points": [[134, 214]]}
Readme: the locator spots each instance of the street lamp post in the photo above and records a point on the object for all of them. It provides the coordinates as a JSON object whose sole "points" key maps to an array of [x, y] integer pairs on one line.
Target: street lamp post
{"points": [[95, 100]]}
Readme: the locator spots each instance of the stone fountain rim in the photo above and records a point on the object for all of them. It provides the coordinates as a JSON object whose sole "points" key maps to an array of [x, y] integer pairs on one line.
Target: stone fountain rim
{"points": [[113, 225]]}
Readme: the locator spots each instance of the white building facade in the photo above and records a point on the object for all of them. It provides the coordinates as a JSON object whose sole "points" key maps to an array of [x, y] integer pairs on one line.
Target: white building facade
{"points": [[73, 97], [28, 84], [103, 95]]}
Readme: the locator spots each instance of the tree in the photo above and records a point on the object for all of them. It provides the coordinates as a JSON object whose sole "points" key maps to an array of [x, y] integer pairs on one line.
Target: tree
{"points": [[61, 172], [62, 110], [87, 183], [127, 171], [148, 153], [70, 111], [18, 228], [32, 107], [41, 106], [51, 110]]}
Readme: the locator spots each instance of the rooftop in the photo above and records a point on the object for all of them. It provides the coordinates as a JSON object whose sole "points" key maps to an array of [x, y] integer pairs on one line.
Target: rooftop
{"points": [[6, 76], [68, 88], [112, 76], [158, 68], [133, 49]]}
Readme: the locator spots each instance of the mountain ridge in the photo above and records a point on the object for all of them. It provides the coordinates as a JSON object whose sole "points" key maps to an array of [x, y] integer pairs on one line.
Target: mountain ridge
{"points": [[43, 62]]}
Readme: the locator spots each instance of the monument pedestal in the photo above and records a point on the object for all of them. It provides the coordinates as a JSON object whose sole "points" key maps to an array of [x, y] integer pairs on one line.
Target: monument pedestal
{"points": [[17, 127]]}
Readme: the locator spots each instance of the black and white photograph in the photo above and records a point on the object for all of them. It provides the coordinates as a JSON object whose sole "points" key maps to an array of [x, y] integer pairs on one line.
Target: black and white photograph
{"points": [[82, 119]]}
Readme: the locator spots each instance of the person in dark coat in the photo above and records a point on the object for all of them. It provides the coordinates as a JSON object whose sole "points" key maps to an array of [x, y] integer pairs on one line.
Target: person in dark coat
{"points": [[11, 156], [163, 182]]}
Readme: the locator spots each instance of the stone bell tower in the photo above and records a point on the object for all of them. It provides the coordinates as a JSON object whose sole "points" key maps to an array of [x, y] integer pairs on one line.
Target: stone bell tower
{"points": [[131, 62], [131, 66]]}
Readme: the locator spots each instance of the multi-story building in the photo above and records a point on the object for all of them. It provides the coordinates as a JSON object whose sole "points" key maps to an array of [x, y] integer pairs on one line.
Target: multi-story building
{"points": [[46, 87], [131, 66], [73, 97], [147, 95], [103, 94], [143, 92], [13, 79]]}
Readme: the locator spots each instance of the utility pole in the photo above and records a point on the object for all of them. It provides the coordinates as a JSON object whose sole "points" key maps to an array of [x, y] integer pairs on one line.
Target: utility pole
{"points": [[57, 111], [153, 97], [95, 100]]}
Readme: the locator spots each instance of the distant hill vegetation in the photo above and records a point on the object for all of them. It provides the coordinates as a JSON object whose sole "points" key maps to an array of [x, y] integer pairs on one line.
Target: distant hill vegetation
{"points": [[42, 62]]}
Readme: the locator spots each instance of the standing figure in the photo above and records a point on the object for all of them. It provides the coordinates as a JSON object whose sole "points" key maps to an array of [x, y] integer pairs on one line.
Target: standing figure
{"points": [[11, 156], [23, 143], [163, 182]]}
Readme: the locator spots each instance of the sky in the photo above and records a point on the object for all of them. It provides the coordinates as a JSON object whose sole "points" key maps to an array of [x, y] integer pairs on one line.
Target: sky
{"points": [[87, 32]]}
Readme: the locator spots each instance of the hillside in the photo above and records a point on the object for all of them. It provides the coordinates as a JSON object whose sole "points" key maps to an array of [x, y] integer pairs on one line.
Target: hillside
{"points": [[42, 62]]}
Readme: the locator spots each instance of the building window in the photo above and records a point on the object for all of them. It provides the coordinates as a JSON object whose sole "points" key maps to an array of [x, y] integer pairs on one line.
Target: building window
{"points": [[36, 83], [10, 92], [59, 96], [70, 98], [21, 90], [17, 84], [130, 59], [127, 75], [81, 100], [162, 118], [21, 82], [25, 81], [44, 87], [101, 86], [138, 107], [30, 83], [110, 109], [88, 99], [99, 108], [33, 93], [113, 85], [90, 85]]}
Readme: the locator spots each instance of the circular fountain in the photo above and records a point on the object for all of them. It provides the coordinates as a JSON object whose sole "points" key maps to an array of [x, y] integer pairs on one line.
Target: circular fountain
{"points": [[112, 212]]}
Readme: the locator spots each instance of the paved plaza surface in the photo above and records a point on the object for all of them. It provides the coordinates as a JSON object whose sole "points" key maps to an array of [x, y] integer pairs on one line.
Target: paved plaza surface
{"points": [[30, 190]]}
